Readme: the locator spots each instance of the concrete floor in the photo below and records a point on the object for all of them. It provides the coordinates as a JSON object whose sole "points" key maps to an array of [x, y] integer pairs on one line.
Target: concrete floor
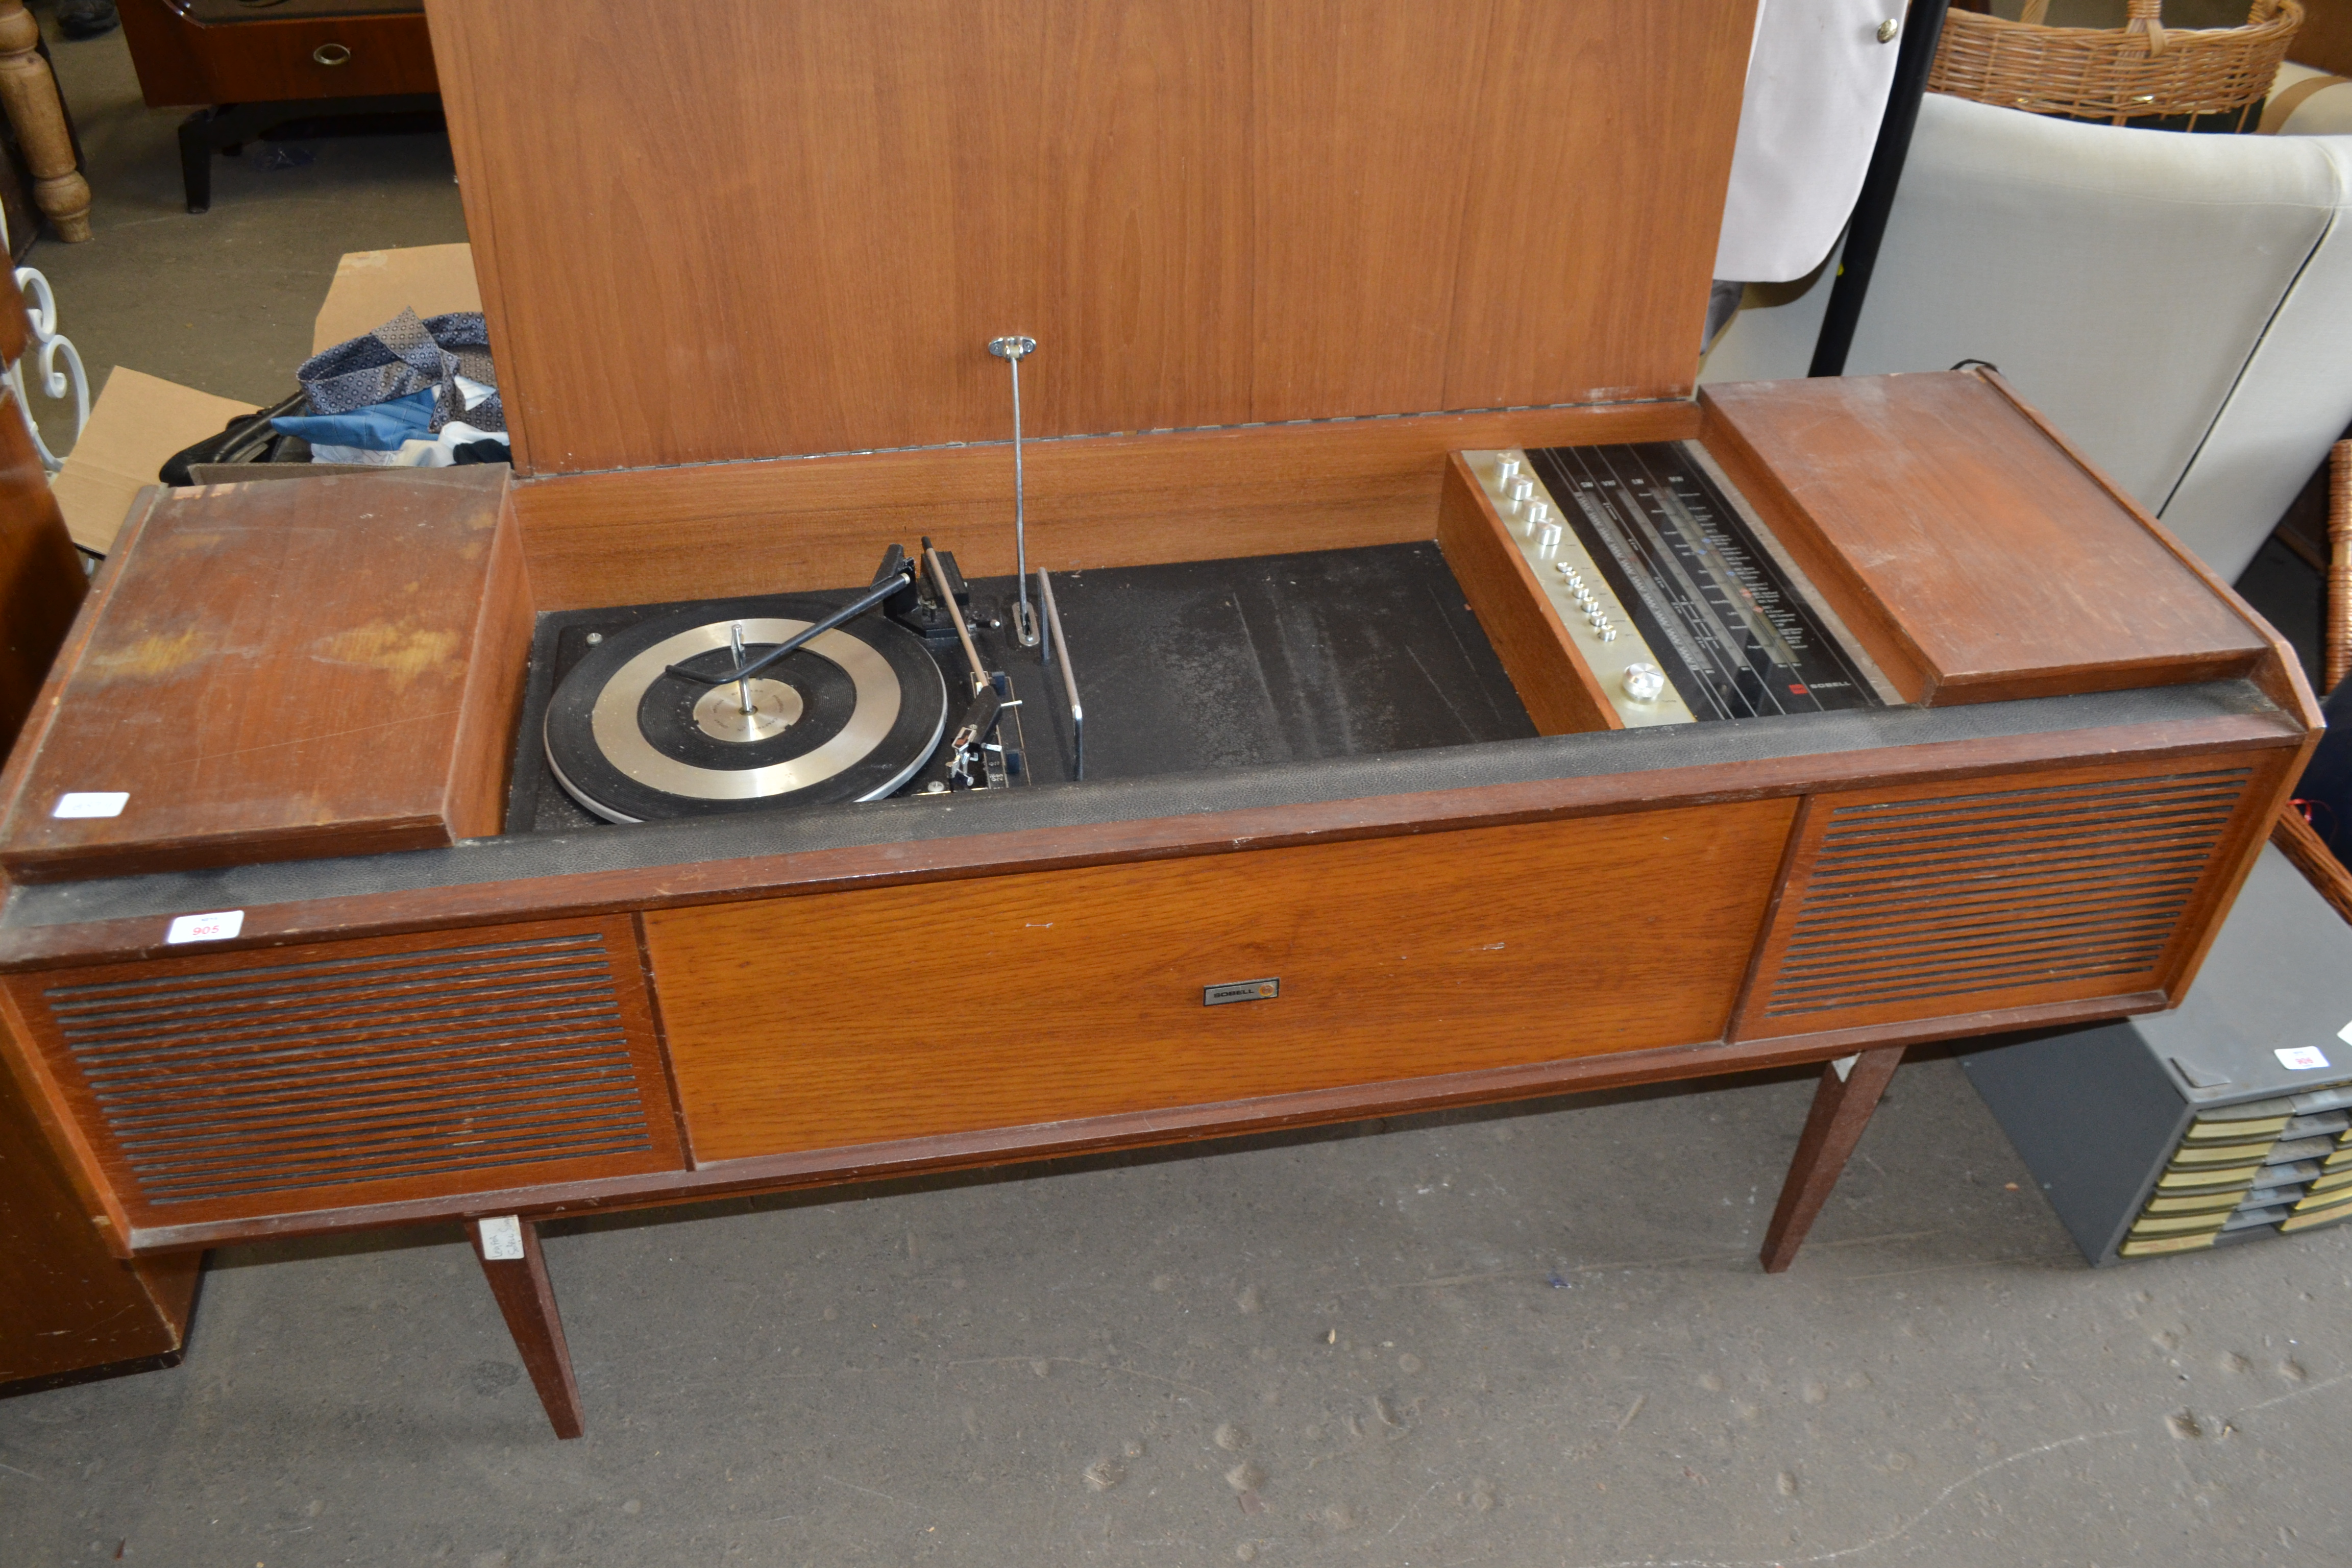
{"points": [[1532, 1336]]}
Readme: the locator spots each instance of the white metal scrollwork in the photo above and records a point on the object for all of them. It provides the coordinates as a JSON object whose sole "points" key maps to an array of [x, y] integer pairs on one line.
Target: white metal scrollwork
{"points": [[59, 362]]}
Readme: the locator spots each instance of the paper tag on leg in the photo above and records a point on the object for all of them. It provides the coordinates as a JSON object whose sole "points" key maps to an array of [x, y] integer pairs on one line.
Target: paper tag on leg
{"points": [[91, 803], [501, 1239], [2300, 1058]]}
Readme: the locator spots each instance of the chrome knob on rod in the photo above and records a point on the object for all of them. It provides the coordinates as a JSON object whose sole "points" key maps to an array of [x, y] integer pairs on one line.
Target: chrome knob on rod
{"points": [[1012, 351]]}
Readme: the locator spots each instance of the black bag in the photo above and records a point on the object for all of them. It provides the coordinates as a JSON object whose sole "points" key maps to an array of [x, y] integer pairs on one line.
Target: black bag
{"points": [[247, 440]]}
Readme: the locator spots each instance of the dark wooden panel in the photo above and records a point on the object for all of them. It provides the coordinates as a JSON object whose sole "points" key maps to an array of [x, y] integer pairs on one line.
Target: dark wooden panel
{"points": [[2051, 886], [260, 58], [1193, 495], [14, 328], [72, 1305], [1975, 559], [41, 581], [1558, 688], [280, 670], [2324, 39], [225, 1085], [1208, 212], [1079, 993]]}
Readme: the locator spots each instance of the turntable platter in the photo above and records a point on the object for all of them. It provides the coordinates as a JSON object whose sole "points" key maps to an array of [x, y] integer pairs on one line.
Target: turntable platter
{"points": [[851, 716]]}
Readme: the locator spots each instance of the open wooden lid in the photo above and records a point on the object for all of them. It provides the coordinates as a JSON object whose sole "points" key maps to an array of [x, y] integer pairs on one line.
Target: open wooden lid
{"points": [[757, 229]]}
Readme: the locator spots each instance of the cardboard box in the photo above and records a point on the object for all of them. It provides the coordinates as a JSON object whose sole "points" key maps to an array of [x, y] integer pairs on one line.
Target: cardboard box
{"points": [[371, 287], [139, 420]]}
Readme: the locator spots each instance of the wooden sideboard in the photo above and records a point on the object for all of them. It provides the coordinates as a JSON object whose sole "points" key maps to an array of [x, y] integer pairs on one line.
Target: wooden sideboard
{"points": [[247, 68], [1288, 275]]}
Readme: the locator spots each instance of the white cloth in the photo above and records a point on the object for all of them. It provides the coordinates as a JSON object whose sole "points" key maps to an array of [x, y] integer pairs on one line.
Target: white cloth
{"points": [[420, 453], [1818, 76]]}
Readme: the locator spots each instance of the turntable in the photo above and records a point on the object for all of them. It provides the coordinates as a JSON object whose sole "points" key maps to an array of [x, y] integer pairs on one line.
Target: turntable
{"points": [[1374, 679]]}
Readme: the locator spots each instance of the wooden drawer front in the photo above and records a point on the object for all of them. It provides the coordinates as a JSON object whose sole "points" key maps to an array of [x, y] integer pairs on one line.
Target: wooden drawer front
{"points": [[2048, 887], [843, 1019], [208, 52], [318, 1077]]}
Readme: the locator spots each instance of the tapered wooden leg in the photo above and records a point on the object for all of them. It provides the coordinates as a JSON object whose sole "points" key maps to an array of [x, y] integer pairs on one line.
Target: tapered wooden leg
{"points": [[38, 118], [1842, 1108], [508, 1250]]}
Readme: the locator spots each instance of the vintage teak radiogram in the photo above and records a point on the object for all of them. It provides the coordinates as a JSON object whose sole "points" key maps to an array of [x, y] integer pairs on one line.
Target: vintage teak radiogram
{"points": [[1470, 711]]}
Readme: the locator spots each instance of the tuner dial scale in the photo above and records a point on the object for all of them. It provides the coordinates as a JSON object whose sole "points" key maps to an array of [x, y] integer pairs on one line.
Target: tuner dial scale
{"points": [[1597, 622]]}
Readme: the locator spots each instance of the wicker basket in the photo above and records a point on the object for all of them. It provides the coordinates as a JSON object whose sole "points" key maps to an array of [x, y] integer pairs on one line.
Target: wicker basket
{"points": [[2136, 71]]}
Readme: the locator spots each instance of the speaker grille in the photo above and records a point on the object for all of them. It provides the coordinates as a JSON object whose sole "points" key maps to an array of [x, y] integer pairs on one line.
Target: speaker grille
{"points": [[1918, 901], [227, 1083]]}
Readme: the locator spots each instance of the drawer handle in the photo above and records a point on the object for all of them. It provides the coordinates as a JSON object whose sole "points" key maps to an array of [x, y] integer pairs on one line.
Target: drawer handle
{"points": [[330, 53]]}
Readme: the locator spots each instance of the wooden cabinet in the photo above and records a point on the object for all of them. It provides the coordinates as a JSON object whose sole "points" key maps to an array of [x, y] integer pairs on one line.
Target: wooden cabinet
{"points": [[1285, 261]]}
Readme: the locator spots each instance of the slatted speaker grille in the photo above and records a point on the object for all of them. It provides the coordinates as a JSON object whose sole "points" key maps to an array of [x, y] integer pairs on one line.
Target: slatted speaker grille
{"points": [[1915, 901], [336, 1071]]}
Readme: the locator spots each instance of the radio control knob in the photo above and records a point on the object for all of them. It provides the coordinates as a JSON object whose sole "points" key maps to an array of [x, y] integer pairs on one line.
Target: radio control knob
{"points": [[1548, 534], [1521, 489], [1645, 682], [1506, 468]]}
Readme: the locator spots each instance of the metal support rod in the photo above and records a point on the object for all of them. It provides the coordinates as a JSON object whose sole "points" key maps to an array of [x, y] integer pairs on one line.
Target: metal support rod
{"points": [[1012, 351], [742, 681], [1923, 29], [963, 632], [1055, 635]]}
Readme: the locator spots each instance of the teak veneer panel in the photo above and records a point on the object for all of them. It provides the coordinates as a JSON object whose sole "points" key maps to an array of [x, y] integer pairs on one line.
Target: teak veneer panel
{"points": [[1974, 557], [1554, 683], [1183, 495], [1207, 212], [924, 1011], [277, 671]]}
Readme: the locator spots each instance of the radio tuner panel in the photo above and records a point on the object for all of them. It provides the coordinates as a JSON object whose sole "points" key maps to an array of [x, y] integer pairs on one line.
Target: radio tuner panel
{"points": [[1670, 597]]}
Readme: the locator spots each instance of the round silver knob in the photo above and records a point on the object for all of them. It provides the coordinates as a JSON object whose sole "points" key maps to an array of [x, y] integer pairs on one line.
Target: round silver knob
{"points": [[1887, 29], [1538, 513], [1645, 682], [1506, 468], [1547, 535], [1521, 489]]}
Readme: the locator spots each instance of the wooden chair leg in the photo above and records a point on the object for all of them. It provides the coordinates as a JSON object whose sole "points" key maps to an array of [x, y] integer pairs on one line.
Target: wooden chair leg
{"points": [[509, 1251], [30, 94], [1842, 1108]]}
